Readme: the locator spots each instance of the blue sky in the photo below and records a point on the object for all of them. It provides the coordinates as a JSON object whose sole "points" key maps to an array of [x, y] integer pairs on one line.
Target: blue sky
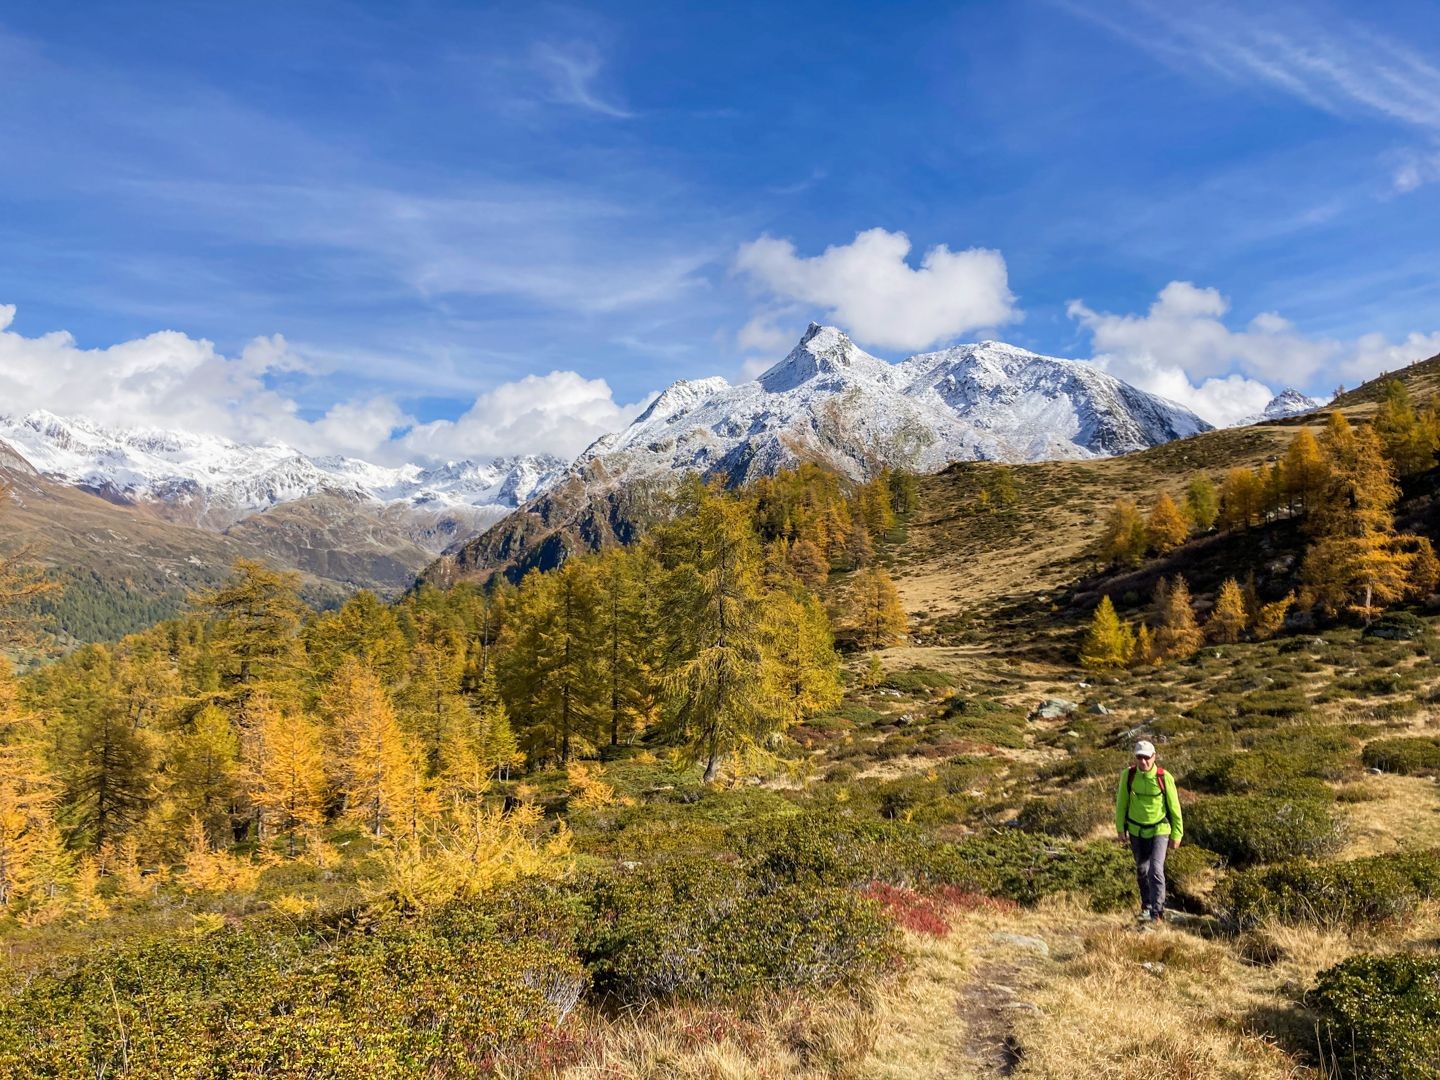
{"points": [[477, 229]]}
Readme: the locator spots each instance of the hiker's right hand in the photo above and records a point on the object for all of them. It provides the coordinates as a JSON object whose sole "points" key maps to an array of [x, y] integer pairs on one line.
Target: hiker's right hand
{"points": [[1120, 836]]}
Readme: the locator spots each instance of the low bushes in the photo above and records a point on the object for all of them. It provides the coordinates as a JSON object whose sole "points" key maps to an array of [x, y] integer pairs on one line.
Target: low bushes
{"points": [[412, 1000], [917, 680], [1358, 893], [1248, 829], [1278, 763], [1026, 868], [1073, 814], [1383, 1016], [1403, 755], [984, 721], [697, 929], [1010, 864]]}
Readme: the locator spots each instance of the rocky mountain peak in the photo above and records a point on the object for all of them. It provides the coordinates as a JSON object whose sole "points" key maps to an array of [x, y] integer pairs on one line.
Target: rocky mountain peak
{"points": [[822, 351]]}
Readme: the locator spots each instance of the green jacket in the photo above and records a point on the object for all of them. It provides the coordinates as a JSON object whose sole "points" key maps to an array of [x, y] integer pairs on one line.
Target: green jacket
{"points": [[1143, 815]]}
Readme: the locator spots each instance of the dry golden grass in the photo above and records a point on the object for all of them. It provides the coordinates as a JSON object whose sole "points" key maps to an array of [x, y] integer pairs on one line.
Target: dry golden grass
{"points": [[1040, 543], [1190, 1014], [1107, 1002], [773, 1038], [1406, 817]]}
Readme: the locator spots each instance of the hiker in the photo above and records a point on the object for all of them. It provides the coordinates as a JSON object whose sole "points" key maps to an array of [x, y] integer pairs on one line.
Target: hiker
{"points": [[1147, 810]]}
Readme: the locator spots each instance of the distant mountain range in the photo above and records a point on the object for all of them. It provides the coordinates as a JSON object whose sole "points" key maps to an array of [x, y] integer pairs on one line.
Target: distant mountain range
{"points": [[214, 482], [348, 523], [829, 401]]}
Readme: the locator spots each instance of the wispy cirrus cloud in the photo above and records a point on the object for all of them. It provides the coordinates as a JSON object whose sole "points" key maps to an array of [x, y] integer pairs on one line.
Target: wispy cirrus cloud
{"points": [[1341, 66], [573, 73], [1337, 65]]}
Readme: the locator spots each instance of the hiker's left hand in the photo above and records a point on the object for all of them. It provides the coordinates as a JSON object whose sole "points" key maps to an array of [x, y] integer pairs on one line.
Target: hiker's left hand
{"points": [[1174, 843]]}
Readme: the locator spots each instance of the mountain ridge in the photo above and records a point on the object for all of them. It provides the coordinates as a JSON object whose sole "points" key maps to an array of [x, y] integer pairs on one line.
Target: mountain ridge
{"points": [[828, 401]]}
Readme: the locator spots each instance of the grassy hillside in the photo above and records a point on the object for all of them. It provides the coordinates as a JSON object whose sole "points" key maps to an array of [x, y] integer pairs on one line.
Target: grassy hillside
{"points": [[123, 569]]}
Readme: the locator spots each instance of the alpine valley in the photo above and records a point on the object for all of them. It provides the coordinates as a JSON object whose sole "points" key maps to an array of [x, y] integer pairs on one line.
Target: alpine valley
{"points": [[145, 515]]}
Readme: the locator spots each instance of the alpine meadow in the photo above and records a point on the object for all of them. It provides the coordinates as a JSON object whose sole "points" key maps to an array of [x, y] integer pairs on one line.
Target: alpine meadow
{"points": [[617, 542]]}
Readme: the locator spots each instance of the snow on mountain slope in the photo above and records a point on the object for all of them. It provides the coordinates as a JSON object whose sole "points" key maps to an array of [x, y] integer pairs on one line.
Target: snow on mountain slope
{"points": [[1289, 402], [829, 400], [219, 482]]}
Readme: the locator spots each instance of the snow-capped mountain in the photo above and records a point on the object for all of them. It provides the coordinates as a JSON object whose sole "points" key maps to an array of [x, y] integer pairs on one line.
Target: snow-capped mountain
{"points": [[215, 482], [1289, 402], [830, 400]]}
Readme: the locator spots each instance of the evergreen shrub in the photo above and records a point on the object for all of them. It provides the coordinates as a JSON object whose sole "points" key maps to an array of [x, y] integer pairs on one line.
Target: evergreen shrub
{"points": [[1406, 756], [1353, 894], [1074, 814], [698, 929], [1248, 829], [441, 999], [1383, 1016]]}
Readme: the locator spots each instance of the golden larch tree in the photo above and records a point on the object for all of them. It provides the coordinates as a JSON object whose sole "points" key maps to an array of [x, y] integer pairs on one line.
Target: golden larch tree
{"points": [[1303, 468], [1123, 541], [375, 771], [1228, 618], [1201, 503], [31, 850], [1109, 643], [1242, 498], [1356, 562], [1167, 527], [874, 612], [284, 770], [1177, 635]]}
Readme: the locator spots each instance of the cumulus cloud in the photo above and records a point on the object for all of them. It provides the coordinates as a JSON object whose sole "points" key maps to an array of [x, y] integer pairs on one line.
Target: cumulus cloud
{"points": [[1182, 349], [870, 290], [170, 380], [559, 413]]}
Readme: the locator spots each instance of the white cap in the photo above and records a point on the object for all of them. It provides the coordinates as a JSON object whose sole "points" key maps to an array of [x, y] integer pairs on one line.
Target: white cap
{"points": [[1144, 749]]}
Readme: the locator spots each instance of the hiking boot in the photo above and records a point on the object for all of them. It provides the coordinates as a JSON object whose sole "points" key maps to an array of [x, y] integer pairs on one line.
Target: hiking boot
{"points": [[1157, 916], [1144, 918]]}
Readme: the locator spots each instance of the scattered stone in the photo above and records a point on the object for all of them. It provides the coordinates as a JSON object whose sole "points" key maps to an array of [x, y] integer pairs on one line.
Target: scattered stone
{"points": [[1022, 1006], [1053, 709], [1021, 941], [1153, 967], [1373, 772], [1319, 642], [1083, 685], [1097, 709]]}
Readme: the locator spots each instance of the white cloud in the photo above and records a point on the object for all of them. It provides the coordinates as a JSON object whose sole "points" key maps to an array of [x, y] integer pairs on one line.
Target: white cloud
{"points": [[1181, 348], [1416, 169], [761, 334], [571, 71], [871, 291], [559, 413], [170, 380], [1372, 354]]}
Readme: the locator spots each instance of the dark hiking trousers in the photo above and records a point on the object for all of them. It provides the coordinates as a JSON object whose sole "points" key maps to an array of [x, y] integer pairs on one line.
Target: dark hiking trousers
{"points": [[1149, 855]]}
